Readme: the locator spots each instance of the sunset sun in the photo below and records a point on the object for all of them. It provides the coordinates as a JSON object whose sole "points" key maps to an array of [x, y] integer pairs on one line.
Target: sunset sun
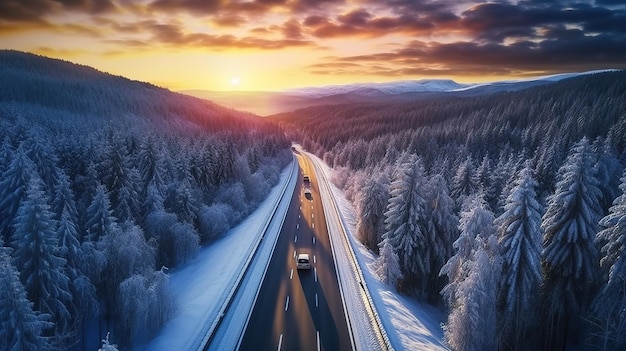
{"points": [[234, 81]]}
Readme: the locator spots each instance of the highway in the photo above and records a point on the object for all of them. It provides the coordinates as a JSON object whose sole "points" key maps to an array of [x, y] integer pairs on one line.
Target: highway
{"points": [[300, 309]]}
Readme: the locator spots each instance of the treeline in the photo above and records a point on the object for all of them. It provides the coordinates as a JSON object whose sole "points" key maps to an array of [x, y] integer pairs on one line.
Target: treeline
{"points": [[507, 209], [95, 210]]}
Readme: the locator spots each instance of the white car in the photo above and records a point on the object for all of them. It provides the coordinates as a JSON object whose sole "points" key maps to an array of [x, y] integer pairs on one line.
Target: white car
{"points": [[303, 261]]}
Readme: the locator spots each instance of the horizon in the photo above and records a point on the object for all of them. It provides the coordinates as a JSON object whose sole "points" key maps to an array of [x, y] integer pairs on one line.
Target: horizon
{"points": [[278, 45]]}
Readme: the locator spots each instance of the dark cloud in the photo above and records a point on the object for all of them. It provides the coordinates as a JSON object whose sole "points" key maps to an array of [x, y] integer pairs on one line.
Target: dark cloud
{"points": [[37, 10]]}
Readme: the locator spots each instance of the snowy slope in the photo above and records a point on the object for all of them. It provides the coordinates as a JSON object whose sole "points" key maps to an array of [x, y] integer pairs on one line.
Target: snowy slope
{"points": [[201, 286]]}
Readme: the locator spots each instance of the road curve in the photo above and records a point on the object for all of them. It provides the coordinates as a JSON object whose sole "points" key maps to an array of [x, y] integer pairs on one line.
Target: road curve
{"points": [[300, 309]]}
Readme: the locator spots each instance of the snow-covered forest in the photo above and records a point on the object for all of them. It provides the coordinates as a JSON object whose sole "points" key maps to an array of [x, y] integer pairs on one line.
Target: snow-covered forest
{"points": [[508, 211], [106, 184]]}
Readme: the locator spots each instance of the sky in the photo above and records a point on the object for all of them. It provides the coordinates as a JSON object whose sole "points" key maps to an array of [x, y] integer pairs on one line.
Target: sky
{"points": [[269, 45]]}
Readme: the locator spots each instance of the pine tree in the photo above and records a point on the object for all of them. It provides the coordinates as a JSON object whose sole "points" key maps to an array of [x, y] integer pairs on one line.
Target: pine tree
{"points": [[12, 190], [520, 236], [472, 322], [370, 205], [464, 182], [404, 221], [387, 266], [106, 344], [21, 327], [45, 161], [609, 307], [475, 220], [37, 256], [441, 231], [100, 220], [570, 254]]}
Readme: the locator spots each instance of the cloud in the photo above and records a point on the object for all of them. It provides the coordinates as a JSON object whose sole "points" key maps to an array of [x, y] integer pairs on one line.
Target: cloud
{"points": [[37, 10]]}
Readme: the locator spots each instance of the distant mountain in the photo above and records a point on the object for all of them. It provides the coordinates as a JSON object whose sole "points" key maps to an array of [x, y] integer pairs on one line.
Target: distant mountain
{"points": [[268, 103], [388, 88]]}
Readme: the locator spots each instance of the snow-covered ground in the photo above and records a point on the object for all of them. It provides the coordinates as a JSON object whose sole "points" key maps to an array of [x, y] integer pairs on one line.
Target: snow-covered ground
{"points": [[202, 286], [408, 324]]}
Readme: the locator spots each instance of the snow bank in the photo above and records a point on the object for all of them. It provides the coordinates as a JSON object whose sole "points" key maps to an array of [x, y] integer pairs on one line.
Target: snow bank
{"points": [[407, 324], [202, 287]]}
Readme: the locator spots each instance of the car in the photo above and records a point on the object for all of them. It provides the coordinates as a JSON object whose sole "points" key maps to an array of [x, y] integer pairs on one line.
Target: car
{"points": [[306, 178], [307, 194], [303, 261]]}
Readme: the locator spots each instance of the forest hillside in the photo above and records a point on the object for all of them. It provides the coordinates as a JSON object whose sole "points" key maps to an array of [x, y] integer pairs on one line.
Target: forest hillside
{"points": [[505, 210], [105, 185]]}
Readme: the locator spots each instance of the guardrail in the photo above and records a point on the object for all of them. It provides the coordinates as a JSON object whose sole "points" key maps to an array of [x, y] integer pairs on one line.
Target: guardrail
{"points": [[206, 340], [382, 336]]}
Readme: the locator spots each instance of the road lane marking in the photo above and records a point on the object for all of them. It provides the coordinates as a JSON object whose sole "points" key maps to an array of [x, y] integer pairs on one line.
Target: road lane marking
{"points": [[313, 240], [315, 270], [298, 226], [314, 259], [316, 301], [287, 304], [280, 341], [318, 340], [294, 253], [299, 216], [291, 274], [312, 215], [295, 240], [311, 206], [313, 224]]}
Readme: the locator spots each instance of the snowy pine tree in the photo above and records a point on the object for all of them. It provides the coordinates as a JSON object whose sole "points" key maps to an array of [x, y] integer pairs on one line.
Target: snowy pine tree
{"points": [[387, 266], [519, 229], [609, 307], [21, 327], [100, 220], [370, 205], [475, 220], [13, 186], [570, 254], [37, 256], [404, 224]]}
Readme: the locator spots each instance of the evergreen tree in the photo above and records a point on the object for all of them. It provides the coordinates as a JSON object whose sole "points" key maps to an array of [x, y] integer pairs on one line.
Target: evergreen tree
{"points": [[570, 254], [442, 230], [370, 206], [44, 159], [106, 344], [520, 236], [472, 322], [21, 327], [387, 266], [404, 222], [100, 220], [475, 220], [12, 190], [37, 255], [464, 182], [609, 307]]}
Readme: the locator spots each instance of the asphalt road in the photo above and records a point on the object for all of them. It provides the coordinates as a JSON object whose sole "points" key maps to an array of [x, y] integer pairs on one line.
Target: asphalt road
{"points": [[300, 309]]}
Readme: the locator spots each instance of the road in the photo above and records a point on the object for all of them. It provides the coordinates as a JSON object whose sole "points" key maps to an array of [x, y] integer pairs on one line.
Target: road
{"points": [[300, 309]]}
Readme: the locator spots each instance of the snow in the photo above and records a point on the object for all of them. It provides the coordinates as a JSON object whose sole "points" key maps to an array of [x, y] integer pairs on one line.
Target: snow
{"points": [[202, 287], [408, 325]]}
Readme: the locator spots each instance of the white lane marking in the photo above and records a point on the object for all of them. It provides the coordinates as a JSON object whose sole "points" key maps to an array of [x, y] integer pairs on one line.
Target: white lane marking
{"points": [[280, 341], [287, 304], [295, 240], [312, 215], [313, 225], [299, 216], [291, 274], [315, 270], [294, 253], [318, 340], [314, 259], [313, 240], [298, 226], [316, 301], [300, 207]]}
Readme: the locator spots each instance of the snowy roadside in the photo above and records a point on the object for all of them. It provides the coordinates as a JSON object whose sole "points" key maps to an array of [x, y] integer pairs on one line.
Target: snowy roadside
{"points": [[408, 324], [202, 286]]}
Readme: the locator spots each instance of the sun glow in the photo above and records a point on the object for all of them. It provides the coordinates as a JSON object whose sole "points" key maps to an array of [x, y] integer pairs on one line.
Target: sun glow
{"points": [[234, 81]]}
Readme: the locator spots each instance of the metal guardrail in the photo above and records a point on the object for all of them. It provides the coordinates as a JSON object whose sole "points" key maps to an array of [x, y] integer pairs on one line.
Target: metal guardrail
{"points": [[382, 334], [206, 340]]}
